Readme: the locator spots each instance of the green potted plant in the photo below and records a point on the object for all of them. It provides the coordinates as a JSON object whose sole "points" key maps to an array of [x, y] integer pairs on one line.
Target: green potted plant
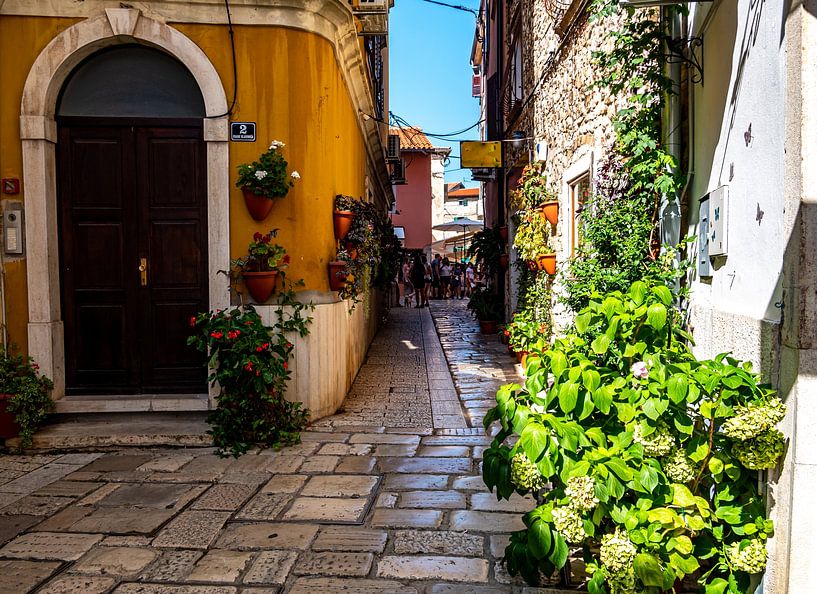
{"points": [[263, 181], [25, 398], [526, 334], [487, 247], [343, 215], [262, 265], [532, 244], [532, 193], [487, 307]]}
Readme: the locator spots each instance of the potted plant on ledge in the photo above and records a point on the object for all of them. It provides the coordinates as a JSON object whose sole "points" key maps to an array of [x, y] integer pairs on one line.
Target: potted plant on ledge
{"points": [[533, 193], [25, 398], [343, 215], [265, 180], [487, 308], [532, 245], [261, 266]]}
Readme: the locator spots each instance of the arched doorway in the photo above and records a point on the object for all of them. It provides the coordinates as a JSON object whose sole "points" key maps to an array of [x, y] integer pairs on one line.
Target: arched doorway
{"points": [[132, 223]]}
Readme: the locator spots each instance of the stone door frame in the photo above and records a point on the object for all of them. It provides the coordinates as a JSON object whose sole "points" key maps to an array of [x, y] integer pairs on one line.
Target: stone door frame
{"points": [[38, 133]]}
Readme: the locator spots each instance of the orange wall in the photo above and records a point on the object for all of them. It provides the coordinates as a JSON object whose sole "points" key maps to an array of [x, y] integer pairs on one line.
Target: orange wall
{"points": [[289, 83]]}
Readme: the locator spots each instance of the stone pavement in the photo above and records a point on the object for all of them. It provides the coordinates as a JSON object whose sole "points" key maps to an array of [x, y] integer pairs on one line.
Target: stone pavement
{"points": [[384, 497]]}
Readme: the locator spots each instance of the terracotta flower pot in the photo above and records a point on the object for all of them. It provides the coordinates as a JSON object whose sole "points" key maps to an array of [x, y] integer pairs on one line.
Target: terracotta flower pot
{"points": [[503, 233], [504, 261], [487, 326], [550, 211], [8, 426], [259, 207], [337, 275], [547, 263], [260, 284], [342, 220]]}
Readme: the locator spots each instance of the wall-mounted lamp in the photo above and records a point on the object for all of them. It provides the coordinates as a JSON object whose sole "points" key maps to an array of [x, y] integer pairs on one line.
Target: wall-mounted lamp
{"points": [[518, 139]]}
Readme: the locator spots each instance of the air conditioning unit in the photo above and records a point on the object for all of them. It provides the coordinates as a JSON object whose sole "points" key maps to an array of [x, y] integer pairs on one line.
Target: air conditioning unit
{"points": [[393, 148], [483, 174], [398, 173]]}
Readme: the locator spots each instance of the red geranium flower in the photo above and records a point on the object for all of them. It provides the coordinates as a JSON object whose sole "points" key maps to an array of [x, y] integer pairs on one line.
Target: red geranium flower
{"points": [[192, 321], [257, 236], [248, 366], [285, 259], [217, 334]]}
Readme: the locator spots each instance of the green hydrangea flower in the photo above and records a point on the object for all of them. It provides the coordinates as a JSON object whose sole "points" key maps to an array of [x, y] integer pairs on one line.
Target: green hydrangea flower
{"points": [[617, 552], [622, 583], [678, 467], [568, 523], [761, 452], [659, 443], [752, 420], [581, 490], [751, 558], [524, 474]]}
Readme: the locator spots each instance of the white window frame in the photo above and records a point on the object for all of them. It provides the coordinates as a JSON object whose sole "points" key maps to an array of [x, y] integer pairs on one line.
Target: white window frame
{"points": [[582, 166]]}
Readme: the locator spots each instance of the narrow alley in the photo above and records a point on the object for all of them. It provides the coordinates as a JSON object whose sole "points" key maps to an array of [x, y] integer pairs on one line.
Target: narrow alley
{"points": [[386, 496]]}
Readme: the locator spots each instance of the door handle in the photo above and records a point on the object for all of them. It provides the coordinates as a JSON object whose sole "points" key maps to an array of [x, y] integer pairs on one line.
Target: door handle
{"points": [[143, 271]]}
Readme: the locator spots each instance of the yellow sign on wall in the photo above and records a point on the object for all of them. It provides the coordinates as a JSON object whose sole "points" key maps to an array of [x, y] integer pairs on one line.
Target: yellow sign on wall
{"points": [[481, 154]]}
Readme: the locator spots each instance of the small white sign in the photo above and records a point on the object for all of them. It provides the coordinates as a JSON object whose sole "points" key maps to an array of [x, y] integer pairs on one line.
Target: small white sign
{"points": [[242, 131]]}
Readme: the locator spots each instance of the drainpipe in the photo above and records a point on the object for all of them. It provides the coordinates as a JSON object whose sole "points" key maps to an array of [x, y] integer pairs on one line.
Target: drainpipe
{"points": [[670, 210], [3, 329]]}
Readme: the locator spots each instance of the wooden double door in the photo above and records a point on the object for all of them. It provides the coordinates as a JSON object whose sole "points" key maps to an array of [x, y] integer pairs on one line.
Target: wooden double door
{"points": [[133, 253]]}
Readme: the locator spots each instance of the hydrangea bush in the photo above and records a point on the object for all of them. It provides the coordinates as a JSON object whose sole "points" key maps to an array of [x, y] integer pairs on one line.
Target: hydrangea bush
{"points": [[639, 454]]}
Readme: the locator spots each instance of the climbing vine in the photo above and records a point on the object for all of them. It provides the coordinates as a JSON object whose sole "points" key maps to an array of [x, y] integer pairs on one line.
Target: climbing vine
{"points": [[619, 225]]}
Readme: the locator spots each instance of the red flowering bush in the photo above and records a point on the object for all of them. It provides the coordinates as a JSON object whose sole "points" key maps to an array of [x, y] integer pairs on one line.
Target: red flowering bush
{"points": [[249, 363]]}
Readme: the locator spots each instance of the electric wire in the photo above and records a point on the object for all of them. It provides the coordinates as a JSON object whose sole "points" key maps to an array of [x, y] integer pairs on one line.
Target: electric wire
{"points": [[454, 6], [235, 66]]}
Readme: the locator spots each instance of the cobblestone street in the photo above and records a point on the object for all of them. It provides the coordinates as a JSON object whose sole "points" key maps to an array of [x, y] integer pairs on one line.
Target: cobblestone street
{"points": [[386, 496]]}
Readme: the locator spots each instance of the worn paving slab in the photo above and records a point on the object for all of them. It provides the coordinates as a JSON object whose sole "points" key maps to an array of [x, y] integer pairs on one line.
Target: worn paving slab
{"points": [[385, 496]]}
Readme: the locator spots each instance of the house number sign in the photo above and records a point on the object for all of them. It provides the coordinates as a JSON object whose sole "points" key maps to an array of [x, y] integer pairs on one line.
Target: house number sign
{"points": [[242, 131]]}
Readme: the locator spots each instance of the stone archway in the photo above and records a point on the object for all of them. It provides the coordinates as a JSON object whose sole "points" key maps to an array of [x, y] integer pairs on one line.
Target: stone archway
{"points": [[38, 133]]}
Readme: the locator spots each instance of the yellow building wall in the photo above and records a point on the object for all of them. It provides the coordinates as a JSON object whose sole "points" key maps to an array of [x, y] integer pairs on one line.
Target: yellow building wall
{"points": [[289, 83], [21, 41]]}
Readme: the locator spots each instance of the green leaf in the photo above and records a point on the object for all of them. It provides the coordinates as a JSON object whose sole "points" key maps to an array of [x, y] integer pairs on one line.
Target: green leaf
{"points": [[591, 379], [677, 387], [716, 586], [600, 344], [715, 465], [654, 408], [539, 539], [534, 440], [662, 515], [603, 398], [638, 290], [663, 293], [558, 362], [622, 471], [568, 395], [649, 478], [686, 564], [682, 496], [583, 321], [657, 316], [648, 570], [558, 555]]}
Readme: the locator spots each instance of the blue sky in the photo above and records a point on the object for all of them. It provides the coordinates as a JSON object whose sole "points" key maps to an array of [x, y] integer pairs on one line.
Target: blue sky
{"points": [[430, 71]]}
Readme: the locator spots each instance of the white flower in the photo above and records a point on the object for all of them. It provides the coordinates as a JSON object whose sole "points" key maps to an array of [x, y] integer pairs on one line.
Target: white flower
{"points": [[640, 370], [295, 175], [568, 523], [260, 174], [276, 144]]}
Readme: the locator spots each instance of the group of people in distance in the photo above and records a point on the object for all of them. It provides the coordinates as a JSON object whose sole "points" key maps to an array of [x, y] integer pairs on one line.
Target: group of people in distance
{"points": [[418, 280]]}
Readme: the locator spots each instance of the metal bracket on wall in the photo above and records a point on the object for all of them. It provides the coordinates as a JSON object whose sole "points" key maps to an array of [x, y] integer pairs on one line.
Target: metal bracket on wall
{"points": [[686, 50]]}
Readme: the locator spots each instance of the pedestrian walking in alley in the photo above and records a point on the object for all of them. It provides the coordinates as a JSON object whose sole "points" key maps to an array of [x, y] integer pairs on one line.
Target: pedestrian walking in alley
{"points": [[427, 279], [417, 276], [445, 278], [469, 279], [408, 287], [456, 282], [435, 276]]}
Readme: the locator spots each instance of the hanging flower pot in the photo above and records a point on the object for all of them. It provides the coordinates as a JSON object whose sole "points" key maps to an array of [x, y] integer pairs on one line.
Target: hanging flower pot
{"points": [[337, 275], [503, 233], [504, 261], [547, 263], [8, 426], [550, 211], [342, 220], [260, 284], [258, 206], [487, 326]]}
